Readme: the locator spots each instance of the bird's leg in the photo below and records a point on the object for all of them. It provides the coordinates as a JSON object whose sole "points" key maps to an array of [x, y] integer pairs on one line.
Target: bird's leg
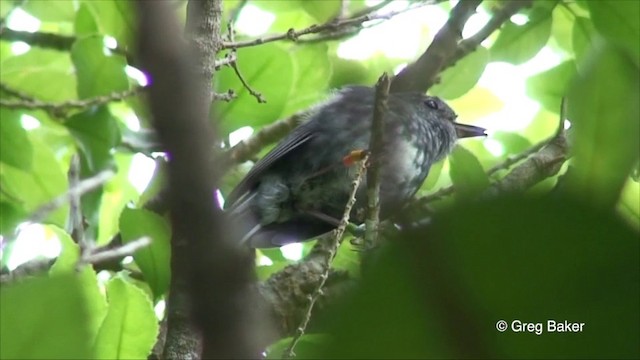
{"points": [[352, 228], [321, 216]]}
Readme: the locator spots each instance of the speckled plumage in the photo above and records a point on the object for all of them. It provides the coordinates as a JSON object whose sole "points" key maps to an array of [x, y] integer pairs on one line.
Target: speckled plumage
{"points": [[279, 200]]}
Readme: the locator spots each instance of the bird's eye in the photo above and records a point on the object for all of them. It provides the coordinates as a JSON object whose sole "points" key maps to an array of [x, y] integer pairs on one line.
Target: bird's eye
{"points": [[432, 104]]}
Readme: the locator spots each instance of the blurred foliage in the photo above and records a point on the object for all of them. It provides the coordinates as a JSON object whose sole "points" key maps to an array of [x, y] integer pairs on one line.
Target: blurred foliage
{"points": [[507, 259], [437, 292]]}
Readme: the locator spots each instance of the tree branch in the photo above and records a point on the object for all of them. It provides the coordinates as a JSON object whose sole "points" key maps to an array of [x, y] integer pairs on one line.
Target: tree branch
{"points": [[81, 188], [334, 25], [373, 173], [61, 109], [75, 208], [210, 308], [246, 149], [505, 12], [543, 164], [97, 256], [39, 39], [421, 74], [336, 240]]}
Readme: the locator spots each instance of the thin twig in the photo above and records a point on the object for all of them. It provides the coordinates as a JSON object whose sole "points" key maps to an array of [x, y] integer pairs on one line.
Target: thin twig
{"points": [[17, 93], [95, 257], [346, 31], [373, 173], [30, 268], [331, 25], [344, 9], [234, 66], [541, 165], [246, 85], [75, 208], [514, 159], [227, 60], [51, 41], [81, 188], [336, 240], [371, 9], [228, 96], [59, 109], [504, 165]]}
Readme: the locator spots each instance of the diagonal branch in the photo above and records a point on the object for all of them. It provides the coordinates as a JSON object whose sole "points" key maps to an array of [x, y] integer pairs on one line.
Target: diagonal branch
{"points": [[421, 75], [82, 187], [505, 12], [336, 240]]}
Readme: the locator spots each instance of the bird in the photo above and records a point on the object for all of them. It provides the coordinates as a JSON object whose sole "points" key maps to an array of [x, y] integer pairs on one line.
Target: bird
{"points": [[299, 189]]}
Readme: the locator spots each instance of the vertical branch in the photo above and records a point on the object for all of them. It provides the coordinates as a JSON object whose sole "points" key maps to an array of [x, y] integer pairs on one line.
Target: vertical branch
{"points": [[375, 149], [75, 208], [210, 313], [203, 29]]}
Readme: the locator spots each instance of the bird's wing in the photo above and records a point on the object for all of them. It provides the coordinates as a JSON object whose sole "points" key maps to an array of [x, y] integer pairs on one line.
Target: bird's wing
{"points": [[301, 135]]}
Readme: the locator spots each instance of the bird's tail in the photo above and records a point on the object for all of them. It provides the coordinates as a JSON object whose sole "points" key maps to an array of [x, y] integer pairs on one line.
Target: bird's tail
{"points": [[242, 218]]}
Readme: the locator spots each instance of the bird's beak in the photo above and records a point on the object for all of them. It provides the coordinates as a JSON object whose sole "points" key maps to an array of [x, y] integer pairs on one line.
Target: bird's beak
{"points": [[465, 131]]}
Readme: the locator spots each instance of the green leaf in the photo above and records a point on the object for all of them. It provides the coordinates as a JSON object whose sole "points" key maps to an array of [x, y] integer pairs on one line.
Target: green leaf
{"points": [[85, 23], [583, 32], [629, 204], [463, 76], [51, 10], [15, 146], [130, 328], [32, 189], [312, 71], [65, 264], [466, 173], [561, 28], [549, 87], [347, 259], [263, 272], [45, 318], [291, 18], [603, 109], [321, 10], [115, 18], [97, 133], [116, 194], [11, 215], [346, 72], [517, 44], [269, 70], [308, 347], [27, 71], [513, 143], [619, 22], [154, 260], [434, 175], [517, 258], [97, 73]]}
